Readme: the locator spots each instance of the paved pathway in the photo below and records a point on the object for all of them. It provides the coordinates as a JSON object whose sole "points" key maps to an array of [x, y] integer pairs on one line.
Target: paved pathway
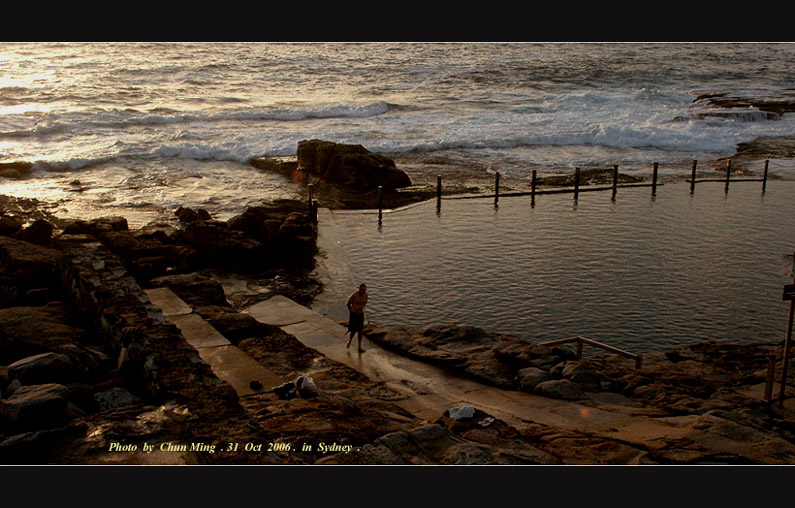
{"points": [[227, 361], [430, 390]]}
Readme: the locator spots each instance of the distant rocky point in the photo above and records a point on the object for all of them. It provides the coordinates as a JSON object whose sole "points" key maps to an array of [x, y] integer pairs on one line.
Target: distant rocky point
{"points": [[346, 175]]}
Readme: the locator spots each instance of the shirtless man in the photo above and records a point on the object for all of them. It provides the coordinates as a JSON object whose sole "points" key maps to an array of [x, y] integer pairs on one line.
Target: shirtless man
{"points": [[356, 304]]}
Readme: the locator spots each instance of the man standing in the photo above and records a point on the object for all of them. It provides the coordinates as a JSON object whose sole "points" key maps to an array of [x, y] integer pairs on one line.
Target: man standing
{"points": [[356, 304]]}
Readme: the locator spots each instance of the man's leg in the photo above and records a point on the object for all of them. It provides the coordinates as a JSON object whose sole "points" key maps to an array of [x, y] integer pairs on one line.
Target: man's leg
{"points": [[360, 341]]}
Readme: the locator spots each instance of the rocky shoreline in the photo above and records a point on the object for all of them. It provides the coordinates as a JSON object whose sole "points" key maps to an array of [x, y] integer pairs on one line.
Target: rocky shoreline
{"points": [[92, 373]]}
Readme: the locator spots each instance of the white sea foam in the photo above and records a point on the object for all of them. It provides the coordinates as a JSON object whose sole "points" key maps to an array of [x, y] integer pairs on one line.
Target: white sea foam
{"points": [[508, 108]]}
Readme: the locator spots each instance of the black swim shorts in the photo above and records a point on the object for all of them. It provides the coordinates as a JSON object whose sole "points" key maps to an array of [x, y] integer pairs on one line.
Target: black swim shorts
{"points": [[356, 322]]}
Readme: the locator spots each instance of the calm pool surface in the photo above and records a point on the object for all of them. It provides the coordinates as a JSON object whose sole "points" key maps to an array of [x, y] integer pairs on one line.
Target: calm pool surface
{"points": [[641, 273]]}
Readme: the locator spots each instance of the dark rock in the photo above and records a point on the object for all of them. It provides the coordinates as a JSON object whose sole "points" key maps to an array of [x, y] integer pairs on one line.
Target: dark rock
{"points": [[286, 168], [218, 245], [560, 389], [114, 397], [9, 225], [584, 375], [36, 447], [196, 289], [43, 368], [13, 386], [15, 170], [449, 441], [530, 377], [190, 215], [29, 265], [468, 349], [349, 165], [96, 227], [40, 233], [283, 228], [263, 221], [35, 407], [27, 331]]}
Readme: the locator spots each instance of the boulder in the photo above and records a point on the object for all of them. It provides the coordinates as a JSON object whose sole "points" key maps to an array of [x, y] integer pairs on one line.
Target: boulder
{"points": [[114, 397], [288, 168], [584, 375], [15, 170], [13, 386], [27, 331], [189, 215], [9, 225], [39, 232], [530, 377], [560, 389], [43, 368], [216, 244], [96, 226], [31, 265], [262, 222], [349, 165], [36, 406]]}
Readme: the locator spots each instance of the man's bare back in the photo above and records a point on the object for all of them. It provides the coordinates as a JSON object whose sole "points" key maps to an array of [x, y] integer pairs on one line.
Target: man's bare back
{"points": [[357, 301]]}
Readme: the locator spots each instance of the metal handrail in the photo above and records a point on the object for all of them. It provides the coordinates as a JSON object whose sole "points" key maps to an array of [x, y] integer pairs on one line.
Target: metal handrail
{"points": [[584, 340]]}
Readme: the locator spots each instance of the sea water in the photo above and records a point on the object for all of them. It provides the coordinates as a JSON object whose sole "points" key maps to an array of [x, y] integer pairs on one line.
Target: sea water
{"points": [[139, 129], [643, 273]]}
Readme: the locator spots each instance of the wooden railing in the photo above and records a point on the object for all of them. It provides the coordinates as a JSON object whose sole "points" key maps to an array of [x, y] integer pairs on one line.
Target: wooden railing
{"points": [[583, 340]]}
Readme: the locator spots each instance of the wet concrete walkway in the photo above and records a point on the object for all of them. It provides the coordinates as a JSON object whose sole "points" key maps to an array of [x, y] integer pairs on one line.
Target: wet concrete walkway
{"points": [[430, 391], [227, 361]]}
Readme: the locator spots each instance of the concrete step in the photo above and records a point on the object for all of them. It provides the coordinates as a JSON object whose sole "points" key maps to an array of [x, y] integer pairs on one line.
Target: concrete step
{"points": [[227, 361], [168, 302]]}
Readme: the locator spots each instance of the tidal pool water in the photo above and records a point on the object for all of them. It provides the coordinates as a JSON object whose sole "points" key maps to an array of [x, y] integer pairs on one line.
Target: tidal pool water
{"points": [[641, 273]]}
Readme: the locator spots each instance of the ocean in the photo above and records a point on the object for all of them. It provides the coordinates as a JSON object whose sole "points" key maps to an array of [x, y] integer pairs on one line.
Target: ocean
{"points": [[139, 129]]}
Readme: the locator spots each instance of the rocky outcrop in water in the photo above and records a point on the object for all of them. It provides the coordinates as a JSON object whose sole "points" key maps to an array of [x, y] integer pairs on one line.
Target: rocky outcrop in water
{"points": [[15, 170], [349, 165]]}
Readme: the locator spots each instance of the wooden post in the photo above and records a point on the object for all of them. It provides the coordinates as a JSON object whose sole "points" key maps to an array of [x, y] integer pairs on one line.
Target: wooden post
{"points": [[313, 213], [693, 177], [533, 189], [438, 194], [771, 370], [728, 173], [576, 183], [380, 198], [579, 348], [496, 188], [764, 177], [786, 355], [310, 189], [786, 348], [615, 179], [654, 180]]}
